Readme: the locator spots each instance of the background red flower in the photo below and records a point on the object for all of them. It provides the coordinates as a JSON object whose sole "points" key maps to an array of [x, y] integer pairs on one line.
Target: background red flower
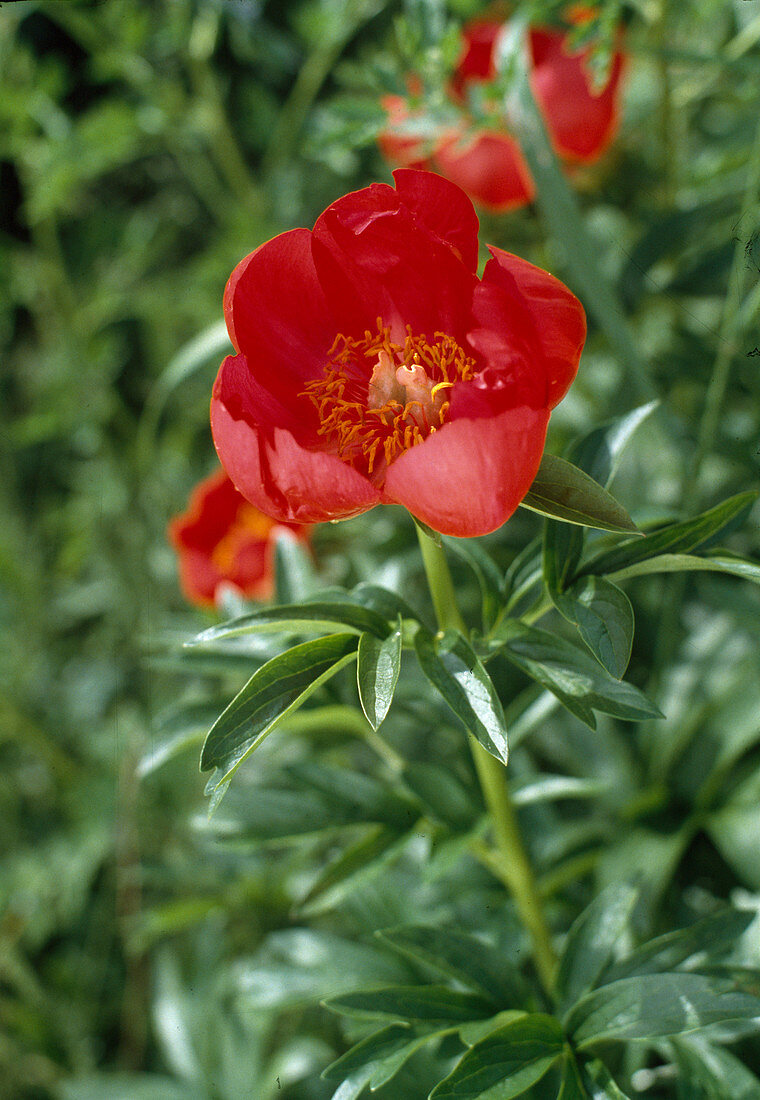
{"points": [[487, 163], [223, 538], [375, 367]]}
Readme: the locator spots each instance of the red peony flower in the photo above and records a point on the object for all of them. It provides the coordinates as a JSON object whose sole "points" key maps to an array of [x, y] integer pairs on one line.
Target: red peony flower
{"points": [[488, 163], [375, 367], [222, 537]]}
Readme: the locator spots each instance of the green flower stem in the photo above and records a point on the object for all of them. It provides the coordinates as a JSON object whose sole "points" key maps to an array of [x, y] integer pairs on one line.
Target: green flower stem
{"points": [[509, 861]]}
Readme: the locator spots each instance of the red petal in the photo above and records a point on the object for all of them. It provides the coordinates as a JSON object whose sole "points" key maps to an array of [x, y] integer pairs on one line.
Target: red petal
{"points": [[531, 309], [277, 314], [213, 505], [376, 258], [581, 123], [198, 577], [279, 476], [490, 168], [469, 477], [442, 208], [279, 405], [477, 62]]}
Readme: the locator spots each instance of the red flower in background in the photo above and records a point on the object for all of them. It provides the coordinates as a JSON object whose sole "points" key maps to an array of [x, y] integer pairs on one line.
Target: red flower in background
{"points": [[373, 366], [488, 163], [223, 538]]}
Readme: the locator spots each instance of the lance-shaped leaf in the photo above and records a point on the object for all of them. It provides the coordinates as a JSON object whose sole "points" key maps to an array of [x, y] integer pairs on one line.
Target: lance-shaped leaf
{"points": [[592, 940], [658, 1005], [714, 934], [562, 491], [572, 1086], [453, 668], [676, 538], [381, 600], [719, 1073], [273, 691], [294, 573], [598, 454], [599, 1082], [465, 958], [442, 794], [377, 669], [416, 1003], [523, 584], [314, 617], [506, 1063], [604, 617], [380, 1056], [299, 966], [572, 674], [354, 868], [716, 561]]}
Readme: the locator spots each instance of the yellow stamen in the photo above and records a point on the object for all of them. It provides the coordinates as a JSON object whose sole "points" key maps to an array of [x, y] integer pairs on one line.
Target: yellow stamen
{"points": [[378, 398]]}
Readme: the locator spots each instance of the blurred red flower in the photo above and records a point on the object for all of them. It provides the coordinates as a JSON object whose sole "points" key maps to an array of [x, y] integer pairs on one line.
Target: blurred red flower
{"points": [[487, 163], [223, 538], [375, 367]]}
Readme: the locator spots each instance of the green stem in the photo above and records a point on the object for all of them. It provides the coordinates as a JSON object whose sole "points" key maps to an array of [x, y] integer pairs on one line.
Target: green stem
{"points": [[509, 861]]}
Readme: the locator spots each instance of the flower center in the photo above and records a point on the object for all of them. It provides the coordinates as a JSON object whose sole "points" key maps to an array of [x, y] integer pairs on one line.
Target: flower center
{"points": [[378, 398]]}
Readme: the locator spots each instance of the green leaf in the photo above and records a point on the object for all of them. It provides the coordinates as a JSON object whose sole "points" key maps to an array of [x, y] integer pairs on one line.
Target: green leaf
{"points": [[274, 690], [183, 728], [460, 956], [720, 1073], [591, 941], [524, 580], [381, 1054], [453, 668], [551, 788], [562, 491], [377, 669], [381, 600], [281, 814], [734, 829], [719, 561], [355, 866], [597, 454], [604, 617], [442, 795], [488, 575], [295, 576], [506, 1063], [318, 617], [368, 798], [572, 1087], [657, 1005], [676, 538], [712, 934], [300, 966], [599, 1083], [572, 674], [416, 1003]]}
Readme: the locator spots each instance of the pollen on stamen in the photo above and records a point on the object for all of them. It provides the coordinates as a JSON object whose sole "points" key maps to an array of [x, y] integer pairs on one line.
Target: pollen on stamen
{"points": [[378, 398]]}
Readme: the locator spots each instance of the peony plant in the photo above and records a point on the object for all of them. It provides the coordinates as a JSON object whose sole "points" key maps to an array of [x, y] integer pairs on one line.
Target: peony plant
{"points": [[374, 365]]}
